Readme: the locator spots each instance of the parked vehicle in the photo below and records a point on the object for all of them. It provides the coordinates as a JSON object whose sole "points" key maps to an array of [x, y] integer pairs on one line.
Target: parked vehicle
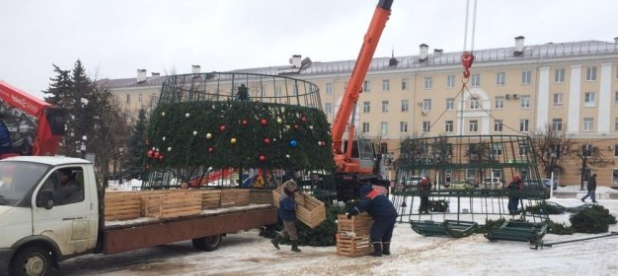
{"points": [[40, 226], [464, 184]]}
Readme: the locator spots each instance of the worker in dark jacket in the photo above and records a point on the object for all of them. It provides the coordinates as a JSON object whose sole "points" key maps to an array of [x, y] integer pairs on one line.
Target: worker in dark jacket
{"points": [[515, 188], [592, 186], [424, 189], [384, 217], [287, 213], [6, 143]]}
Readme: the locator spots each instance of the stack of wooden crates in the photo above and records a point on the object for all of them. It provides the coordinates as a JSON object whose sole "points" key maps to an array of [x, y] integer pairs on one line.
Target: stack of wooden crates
{"points": [[353, 235], [309, 210], [170, 203]]}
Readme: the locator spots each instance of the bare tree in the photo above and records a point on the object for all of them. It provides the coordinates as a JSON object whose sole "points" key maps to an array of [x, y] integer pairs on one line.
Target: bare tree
{"points": [[587, 154], [550, 148]]}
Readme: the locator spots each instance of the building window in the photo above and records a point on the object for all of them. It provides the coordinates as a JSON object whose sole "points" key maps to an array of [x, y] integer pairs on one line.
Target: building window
{"points": [[128, 98], [525, 102], [556, 124], [499, 102], [366, 107], [559, 77], [616, 124], [154, 98], [474, 104], [591, 73], [526, 77], [474, 125], [522, 150], [404, 106], [450, 104], [616, 98], [558, 99], [386, 85], [589, 99], [500, 78], [405, 84], [523, 125], [616, 151], [384, 106], [476, 80], [328, 108], [426, 126], [278, 91], [497, 149], [367, 86], [614, 176], [329, 88], [140, 97], [450, 81], [428, 82], [470, 174], [365, 127], [448, 126], [588, 124], [403, 127], [384, 127], [498, 125], [426, 105]]}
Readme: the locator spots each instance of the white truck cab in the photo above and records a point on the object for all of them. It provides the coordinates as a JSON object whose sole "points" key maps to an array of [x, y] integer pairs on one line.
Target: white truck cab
{"points": [[49, 211]]}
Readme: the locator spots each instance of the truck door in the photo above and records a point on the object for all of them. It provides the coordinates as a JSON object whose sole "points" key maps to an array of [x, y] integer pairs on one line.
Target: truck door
{"points": [[68, 220]]}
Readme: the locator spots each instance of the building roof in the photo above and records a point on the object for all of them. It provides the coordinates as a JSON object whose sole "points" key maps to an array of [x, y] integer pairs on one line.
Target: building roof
{"points": [[532, 52]]}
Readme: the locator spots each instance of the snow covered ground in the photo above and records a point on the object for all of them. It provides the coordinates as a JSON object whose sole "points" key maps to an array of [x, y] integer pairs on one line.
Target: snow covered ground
{"points": [[246, 254]]}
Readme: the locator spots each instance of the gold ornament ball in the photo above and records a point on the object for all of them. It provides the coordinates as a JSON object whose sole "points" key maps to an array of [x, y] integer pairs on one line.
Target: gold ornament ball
{"points": [[208, 135], [279, 120], [194, 132], [287, 156], [233, 141], [163, 113], [169, 149]]}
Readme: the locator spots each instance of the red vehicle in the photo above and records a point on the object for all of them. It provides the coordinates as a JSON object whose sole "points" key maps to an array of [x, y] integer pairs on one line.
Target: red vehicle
{"points": [[50, 120], [356, 160]]}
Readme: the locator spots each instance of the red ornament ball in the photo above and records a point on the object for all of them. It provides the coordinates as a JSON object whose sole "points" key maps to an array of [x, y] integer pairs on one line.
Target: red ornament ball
{"points": [[304, 119], [266, 141], [211, 150], [157, 154], [263, 122], [222, 128], [296, 126], [262, 158], [160, 157], [244, 122], [150, 153]]}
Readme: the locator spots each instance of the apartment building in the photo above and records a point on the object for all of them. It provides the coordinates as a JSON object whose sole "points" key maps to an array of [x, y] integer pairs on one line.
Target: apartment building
{"points": [[572, 87]]}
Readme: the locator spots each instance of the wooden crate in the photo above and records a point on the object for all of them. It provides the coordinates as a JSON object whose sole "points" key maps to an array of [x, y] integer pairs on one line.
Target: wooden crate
{"points": [[234, 197], [356, 226], [260, 196], [354, 246], [122, 206], [309, 210], [174, 204], [353, 235], [211, 199]]}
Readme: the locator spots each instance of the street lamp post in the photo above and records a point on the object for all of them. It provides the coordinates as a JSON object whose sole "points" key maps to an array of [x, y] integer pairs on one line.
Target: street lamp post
{"points": [[586, 151], [82, 147]]}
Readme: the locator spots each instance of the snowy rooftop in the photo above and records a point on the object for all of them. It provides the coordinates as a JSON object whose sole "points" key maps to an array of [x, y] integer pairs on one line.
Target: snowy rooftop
{"points": [[530, 53]]}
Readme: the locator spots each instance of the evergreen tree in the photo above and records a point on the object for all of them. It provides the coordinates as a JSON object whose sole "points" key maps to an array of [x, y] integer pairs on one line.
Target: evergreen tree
{"points": [[136, 151]]}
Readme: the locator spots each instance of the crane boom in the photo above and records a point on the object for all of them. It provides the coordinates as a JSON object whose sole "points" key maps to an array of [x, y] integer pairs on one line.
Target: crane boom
{"points": [[352, 92], [50, 118]]}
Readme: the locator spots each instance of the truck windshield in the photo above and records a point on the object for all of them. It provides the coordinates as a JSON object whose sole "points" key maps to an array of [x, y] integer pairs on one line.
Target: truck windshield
{"points": [[17, 179]]}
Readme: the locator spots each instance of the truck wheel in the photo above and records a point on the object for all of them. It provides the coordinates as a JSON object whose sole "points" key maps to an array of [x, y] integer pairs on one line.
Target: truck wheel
{"points": [[207, 243], [31, 261]]}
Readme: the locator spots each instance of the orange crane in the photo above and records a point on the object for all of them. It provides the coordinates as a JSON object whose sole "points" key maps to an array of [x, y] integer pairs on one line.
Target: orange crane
{"points": [[356, 161], [50, 125]]}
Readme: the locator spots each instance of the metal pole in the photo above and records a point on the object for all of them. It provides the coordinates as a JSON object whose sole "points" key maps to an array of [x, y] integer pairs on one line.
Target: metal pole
{"points": [[551, 185]]}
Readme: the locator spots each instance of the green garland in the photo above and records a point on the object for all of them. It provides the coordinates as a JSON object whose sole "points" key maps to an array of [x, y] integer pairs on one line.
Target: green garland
{"points": [[233, 133]]}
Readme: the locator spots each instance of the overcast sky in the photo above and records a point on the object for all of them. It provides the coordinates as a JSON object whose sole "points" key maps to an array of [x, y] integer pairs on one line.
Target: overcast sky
{"points": [[113, 38]]}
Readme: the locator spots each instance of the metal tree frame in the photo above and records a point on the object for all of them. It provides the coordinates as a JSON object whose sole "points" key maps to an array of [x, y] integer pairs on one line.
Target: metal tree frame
{"points": [[231, 86], [458, 167]]}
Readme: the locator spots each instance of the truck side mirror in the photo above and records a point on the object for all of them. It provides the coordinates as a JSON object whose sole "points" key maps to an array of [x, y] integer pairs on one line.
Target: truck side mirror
{"points": [[45, 199]]}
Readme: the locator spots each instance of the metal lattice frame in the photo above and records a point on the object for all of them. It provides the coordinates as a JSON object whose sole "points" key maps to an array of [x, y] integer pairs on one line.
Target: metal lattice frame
{"points": [[223, 87], [458, 167]]}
